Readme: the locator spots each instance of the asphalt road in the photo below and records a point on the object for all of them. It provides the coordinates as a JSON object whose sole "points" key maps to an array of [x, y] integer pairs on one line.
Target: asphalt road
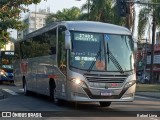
{"points": [[17, 102]]}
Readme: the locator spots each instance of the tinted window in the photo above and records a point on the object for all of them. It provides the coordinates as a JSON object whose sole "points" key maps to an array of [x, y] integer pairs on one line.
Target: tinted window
{"points": [[40, 45]]}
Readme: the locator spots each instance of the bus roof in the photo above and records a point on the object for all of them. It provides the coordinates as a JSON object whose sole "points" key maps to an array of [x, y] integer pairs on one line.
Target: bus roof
{"points": [[99, 27], [88, 26]]}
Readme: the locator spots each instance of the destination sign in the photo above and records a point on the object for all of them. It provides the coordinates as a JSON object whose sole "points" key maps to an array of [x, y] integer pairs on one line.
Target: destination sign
{"points": [[9, 53], [87, 37]]}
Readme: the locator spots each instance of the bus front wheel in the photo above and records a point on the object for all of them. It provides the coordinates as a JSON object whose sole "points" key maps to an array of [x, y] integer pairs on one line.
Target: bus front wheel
{"points": [[105, 104]]}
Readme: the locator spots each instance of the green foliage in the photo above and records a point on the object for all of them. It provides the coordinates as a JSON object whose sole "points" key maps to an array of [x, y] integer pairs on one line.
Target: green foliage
{"points": [[143, 20], [4, 37], [99, 10], [65, 14], [104, 11], [10, 17]]}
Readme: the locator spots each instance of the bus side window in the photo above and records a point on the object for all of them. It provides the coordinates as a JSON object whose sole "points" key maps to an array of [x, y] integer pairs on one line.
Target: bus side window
{"points": [[52, 40]]}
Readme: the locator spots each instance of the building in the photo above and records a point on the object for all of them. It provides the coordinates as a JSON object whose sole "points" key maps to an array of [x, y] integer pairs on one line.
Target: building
{"points": [[141, 56], [157, 37], [9, 46], [34, 20], [156, 60]]}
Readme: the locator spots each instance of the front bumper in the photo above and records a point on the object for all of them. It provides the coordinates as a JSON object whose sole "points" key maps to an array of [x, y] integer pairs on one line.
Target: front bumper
{"points": [[94, 95]]}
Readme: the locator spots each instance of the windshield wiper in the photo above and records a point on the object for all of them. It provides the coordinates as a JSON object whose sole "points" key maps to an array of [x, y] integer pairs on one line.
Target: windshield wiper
{"points": [[97, 55], [114, 60]]}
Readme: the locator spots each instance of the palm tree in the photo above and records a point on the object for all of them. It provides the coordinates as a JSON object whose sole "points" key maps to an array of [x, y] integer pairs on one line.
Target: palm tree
{"points": [[104, 11], [100, 10], [145, 17]]}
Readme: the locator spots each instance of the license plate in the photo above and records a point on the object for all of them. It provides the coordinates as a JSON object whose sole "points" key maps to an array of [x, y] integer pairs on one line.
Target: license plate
{"points": [[106, 93]]}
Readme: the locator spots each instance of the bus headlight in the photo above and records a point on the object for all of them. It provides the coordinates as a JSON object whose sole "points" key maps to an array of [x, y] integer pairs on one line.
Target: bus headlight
{"points": [[129, 84], [77, 81], [2, 73]]}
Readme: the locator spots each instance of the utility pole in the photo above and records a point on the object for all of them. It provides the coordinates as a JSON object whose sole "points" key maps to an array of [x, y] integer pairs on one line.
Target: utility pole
{"points": [[35, 17], [145, 56], [88, 9], [152, 47]]}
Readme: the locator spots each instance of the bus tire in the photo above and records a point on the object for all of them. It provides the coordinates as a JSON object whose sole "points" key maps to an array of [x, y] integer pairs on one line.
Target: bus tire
{"points": [[105, 104], [52, 85], [52, 88], [26, 92]]}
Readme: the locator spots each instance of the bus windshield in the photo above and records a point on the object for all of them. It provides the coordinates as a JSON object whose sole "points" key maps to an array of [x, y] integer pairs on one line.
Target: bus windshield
{"points": [[101, 52]]}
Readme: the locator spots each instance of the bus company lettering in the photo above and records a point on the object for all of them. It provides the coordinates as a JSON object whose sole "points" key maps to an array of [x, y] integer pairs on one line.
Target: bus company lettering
{"points": [[84, 54], [29, 115]]}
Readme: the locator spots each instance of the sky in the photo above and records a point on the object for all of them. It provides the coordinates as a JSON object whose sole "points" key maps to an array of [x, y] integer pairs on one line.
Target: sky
{"points": [[54, 5]]}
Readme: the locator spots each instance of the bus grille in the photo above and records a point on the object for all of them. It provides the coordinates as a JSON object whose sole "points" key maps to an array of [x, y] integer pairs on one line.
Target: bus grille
{"points": [[99, 78]]}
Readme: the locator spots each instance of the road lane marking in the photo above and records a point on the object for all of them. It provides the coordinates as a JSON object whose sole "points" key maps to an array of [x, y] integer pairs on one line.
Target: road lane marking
{"points": [[10, 92]]}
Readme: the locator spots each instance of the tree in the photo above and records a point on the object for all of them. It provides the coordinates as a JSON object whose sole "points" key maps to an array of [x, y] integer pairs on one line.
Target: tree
{"points": [[10, 16], [145, 16], [143, 20], [103, 11], [64, 15]]}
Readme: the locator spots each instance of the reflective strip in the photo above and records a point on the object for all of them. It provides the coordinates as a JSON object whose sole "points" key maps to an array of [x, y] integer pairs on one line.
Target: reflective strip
{"points": [[52, 76]]}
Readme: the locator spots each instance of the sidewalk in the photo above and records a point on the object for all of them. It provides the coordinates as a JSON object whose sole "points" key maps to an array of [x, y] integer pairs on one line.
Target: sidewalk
{"points": [[149, 94]]}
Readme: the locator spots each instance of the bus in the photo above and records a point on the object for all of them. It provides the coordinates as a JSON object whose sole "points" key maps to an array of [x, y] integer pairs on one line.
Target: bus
{"points": [[6, 66], [79, 61]]}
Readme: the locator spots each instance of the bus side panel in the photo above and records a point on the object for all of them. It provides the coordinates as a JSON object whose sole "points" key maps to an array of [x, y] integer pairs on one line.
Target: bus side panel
{"points": [[61, 84], [44, 72], [17, 74]]}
